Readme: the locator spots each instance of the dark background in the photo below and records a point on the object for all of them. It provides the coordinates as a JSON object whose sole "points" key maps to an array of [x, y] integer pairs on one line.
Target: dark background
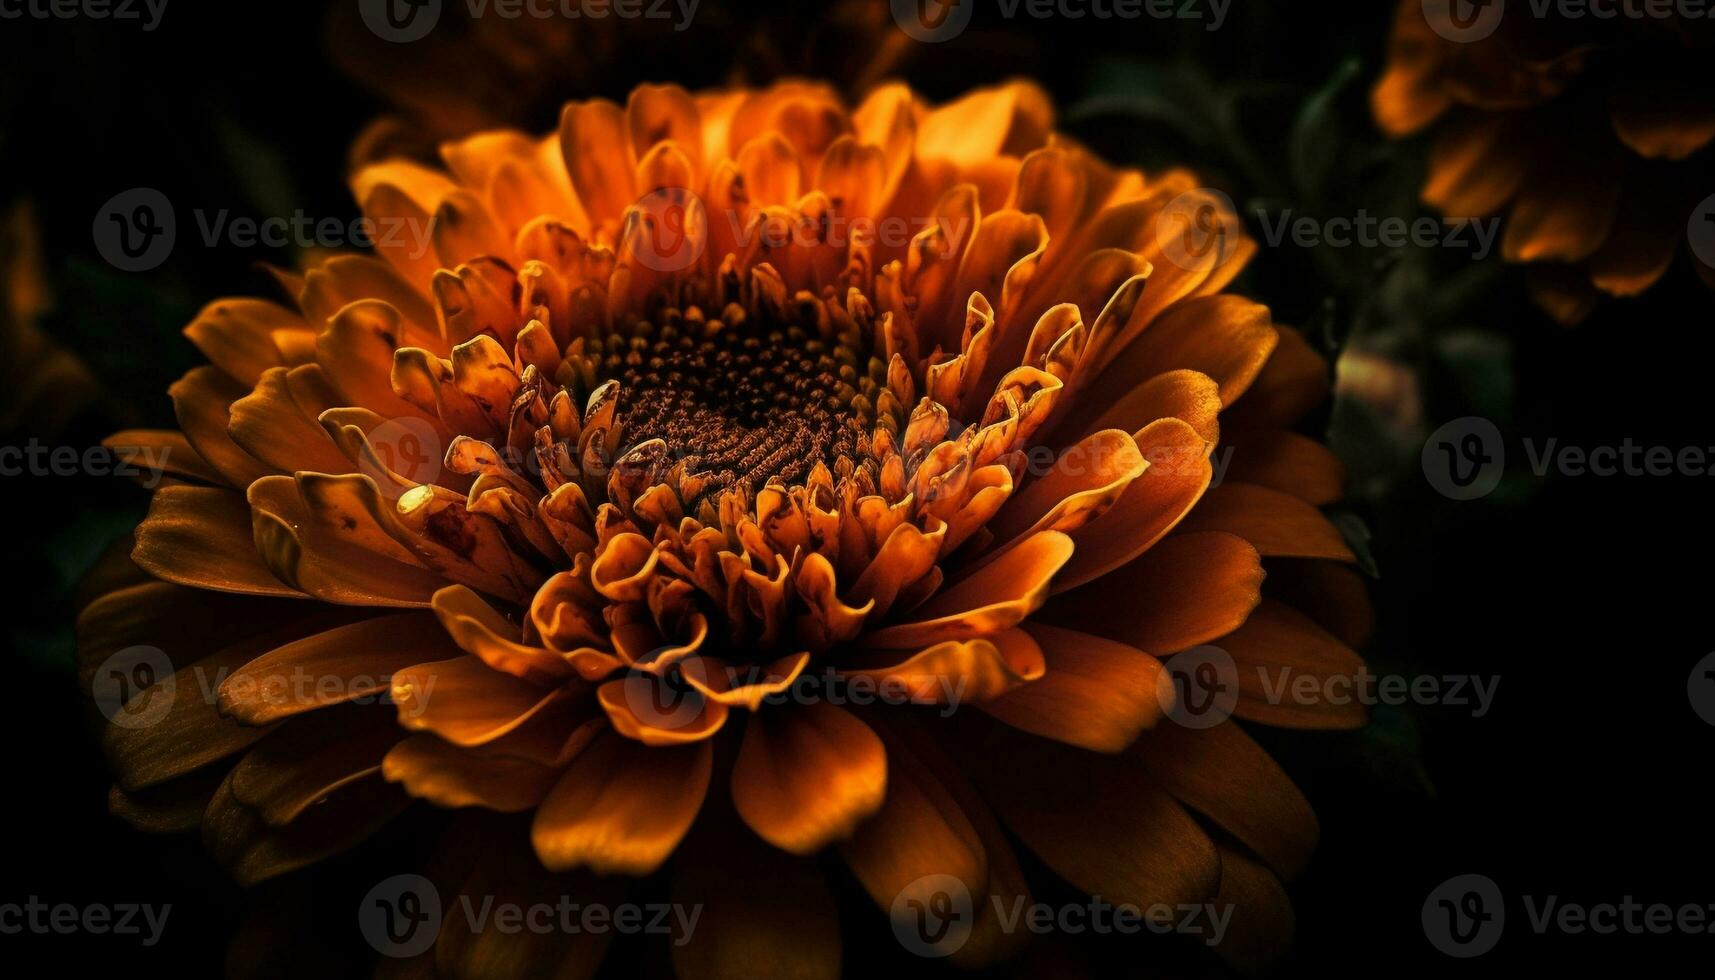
{"points": [[1586, 596]]}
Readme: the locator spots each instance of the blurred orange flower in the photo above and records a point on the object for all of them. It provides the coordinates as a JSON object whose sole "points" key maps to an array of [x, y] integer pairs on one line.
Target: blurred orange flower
{"points": [[1591, 133]]}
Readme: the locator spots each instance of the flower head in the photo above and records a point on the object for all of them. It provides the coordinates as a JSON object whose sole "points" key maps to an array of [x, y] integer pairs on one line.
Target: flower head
{"points": [[732, 476]]}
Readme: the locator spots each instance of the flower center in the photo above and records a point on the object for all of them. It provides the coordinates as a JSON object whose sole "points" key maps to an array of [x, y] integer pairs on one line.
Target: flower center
{"points": [[742, 400]]}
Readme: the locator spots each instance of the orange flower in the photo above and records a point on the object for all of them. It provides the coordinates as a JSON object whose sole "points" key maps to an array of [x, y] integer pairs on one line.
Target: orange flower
{"points": [[471, 71], [1590, 133], [731, 477], [47, 386]]}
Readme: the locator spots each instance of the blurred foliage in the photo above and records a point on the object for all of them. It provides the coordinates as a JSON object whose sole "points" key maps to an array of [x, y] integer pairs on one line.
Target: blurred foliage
{"points": [[1417, 335]]}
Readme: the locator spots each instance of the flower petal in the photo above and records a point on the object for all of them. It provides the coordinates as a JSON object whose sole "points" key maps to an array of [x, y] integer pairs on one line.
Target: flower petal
{"points": [[919, 834], [807, 775], [1151, 505], [653, 711], [599, 158], [346, 663], [1291, 463], [1188, 589], [1099, 821], [276, 422], [253, 852], [448, 775], [304, 762], [1081, 484], [1223, 774], [479, 629], [1226, 337], [465, 701], [201, 537], [1095, 694], [954, 672], [995, 597], [1475, 165], [237, 334], [1277, 523], [1191, 396], [303, 551], [1263, 923], [1278, 650], [621, 807], [759, 905], [202, 401]]}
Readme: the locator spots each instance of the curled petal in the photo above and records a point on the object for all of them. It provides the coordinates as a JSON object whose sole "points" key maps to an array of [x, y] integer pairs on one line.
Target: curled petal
{"points": [[656, 712], [957, 671], [994, 598]]}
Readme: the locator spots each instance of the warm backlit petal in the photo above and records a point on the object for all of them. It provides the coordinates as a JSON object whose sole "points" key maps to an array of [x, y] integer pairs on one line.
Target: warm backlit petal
{"points": [[621, 807], [1187, 590], [994, 598], [806, 775], [1094, 693], [1278, 524], [1151, 505]]}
